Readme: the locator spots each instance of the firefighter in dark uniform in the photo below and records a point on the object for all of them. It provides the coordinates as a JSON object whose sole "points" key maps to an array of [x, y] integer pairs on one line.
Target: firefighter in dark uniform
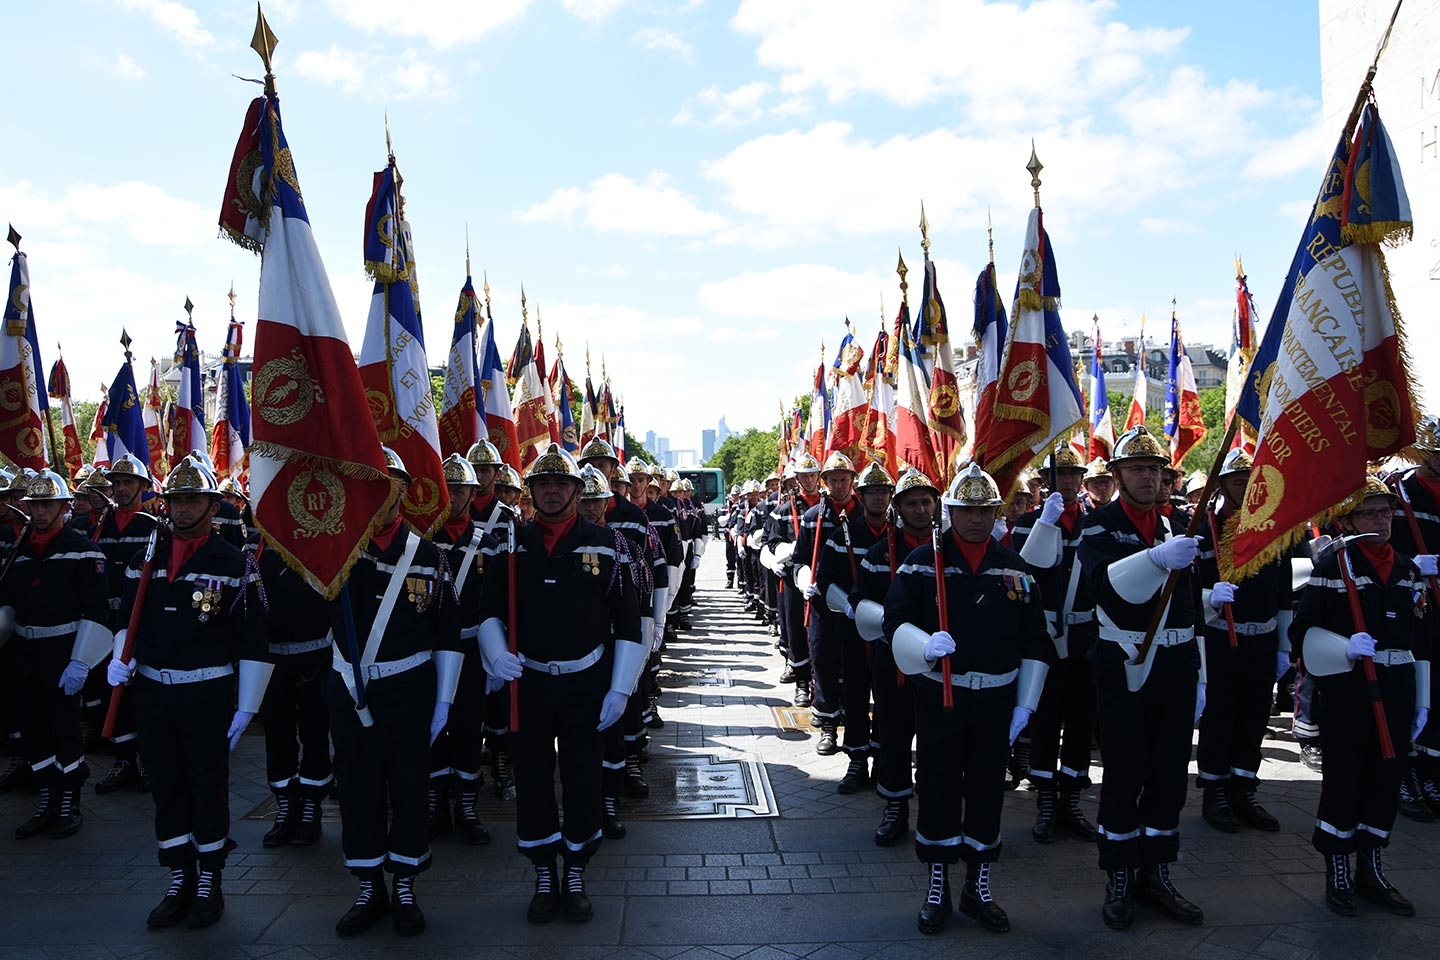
{"points": [[826, 655], [768, 590], [625, 743], [578, 662], [1419, 494], [835, 578], [93, 490], [693, 530], [229, 520], [752, 535], [1240, 678], [54, 615], [1047, 540], [1147, 710], [122, 531], [16, 771], [202, 613], [407, 636], [455, 756], [731, 554], [782, 532], [663, 522], [913, 504], [494, 518], [996, 675], [294, 713], [83, 514], [1360, 788]]}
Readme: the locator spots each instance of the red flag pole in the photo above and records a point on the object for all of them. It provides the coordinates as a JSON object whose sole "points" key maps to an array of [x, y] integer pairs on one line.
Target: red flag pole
{"points": [[942, 606], [894, 562], [815, 551], [513, 599], [1227, 607], [1372, 683], [143, 588]]}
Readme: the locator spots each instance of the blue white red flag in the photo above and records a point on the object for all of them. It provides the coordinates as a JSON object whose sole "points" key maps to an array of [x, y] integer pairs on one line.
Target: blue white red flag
{"points": [[848, 414], [318, 482], [880, 410], [188, 429], [991, 329], [945, 413], [22, 390], [1242, 355], [124, 427], [58, 387], [461, 420], [819, 415], [1102, 428], [230, 436], [499, 415], [1184, 424]]}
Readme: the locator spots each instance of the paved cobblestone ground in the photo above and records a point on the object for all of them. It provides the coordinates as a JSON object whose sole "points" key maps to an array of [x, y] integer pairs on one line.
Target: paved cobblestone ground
{"points": [[806, 883]]}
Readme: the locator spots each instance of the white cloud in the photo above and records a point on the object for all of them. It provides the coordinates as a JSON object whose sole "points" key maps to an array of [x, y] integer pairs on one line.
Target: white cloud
{"points": [[1189, 114], [176, 19], [145, 212], [125, 66], [593, 10], [734, 334], [665, 41], [1012, 61], [1166, 226], [801, 292], [404, 76], [1305, 149], [615, 203], [441, 23], [725, 107]]}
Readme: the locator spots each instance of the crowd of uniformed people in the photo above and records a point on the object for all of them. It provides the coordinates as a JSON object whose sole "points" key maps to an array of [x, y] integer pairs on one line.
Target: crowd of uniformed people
{"points": [[947, 642]]}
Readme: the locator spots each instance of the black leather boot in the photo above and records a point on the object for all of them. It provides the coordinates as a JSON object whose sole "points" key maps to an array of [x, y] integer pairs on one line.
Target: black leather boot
{"points": [[372, 904], [1019, 761], [1074, 818], [828, 745], [504, 776], [439, 813], [895, 822], [309, 828], [1371, 884], [977, 903], [1119, 908], [176, 903], [1248, 810], [936, 909], [1157, 892], [468, 819], [1215, 809], [857, 775], [43, 819], [635, 785], [1412, 798], [1340, 886], [803, 694], [123, 773], [611, 824], [209, 902], [1430, 790], [546, 900], [1044, 829], [16, 774], [287, 818], [409, 919], [572, 899], [788, 675], [68, 818]]}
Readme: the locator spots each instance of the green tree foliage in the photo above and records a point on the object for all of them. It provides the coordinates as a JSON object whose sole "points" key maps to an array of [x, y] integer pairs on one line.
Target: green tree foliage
{"points": [[746, 456]]}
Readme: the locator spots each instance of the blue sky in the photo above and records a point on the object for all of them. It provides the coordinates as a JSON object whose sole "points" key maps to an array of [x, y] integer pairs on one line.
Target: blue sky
{"points": [[701, 190]]}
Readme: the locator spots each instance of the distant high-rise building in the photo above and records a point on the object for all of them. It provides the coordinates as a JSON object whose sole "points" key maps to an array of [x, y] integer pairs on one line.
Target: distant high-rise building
{"points": [[707, 444], [723, 432], [650, 442], [661, 449]]}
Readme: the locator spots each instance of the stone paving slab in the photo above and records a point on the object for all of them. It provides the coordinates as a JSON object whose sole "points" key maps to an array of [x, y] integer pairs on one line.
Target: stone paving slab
{"points": [[808, 883]]}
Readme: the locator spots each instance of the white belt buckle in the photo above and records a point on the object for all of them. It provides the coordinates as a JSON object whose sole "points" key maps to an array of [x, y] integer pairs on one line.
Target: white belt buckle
{"points": [[165, 678], [372, 672], [553, 668], [975, 682]]}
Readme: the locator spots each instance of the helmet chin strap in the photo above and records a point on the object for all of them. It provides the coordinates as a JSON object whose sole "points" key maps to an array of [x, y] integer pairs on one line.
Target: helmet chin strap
{"points": [[574, 495]]}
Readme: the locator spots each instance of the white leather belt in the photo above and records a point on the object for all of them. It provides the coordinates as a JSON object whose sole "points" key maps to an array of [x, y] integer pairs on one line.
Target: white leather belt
{"points": [[974, 681], [292, 648], [1393, 658], [40, 633], [556, 667], [389, 668], [1083, 616], [172, 677], [1250, 629], [1163, 638], [470, 633]]}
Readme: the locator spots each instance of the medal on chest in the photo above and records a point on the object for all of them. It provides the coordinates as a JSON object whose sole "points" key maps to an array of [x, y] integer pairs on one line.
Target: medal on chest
{"points": [[206, 597], [590, 563], [419, 591]]}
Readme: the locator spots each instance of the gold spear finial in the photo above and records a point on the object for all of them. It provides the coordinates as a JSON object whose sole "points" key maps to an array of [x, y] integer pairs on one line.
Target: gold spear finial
{"points": [[231, 298], [1035, 166], [901, 269], [990, 233], [467, 248], [882, 310], [924, 232], [539, 325], [125, 342], [485, 275], [587, 359], [1239, 268], [524, 314], [389, 150], [189, 311], [263, 43]]}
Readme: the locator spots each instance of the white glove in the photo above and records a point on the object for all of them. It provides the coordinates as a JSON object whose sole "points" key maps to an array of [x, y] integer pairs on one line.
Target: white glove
{"points": [[1054, 507], [998, 531], [508, 666], [438, 719], [1359, 645], [118, 674], [492, 684], [1019, 717], [1422, 714], [1282, 664], [72, 678], [811, 592], [849, 611], [612, 708], [237, 726], [1176, 553], [1429, 564], [1199, 702], [694, 560], [1222, 594], [939, 645]]}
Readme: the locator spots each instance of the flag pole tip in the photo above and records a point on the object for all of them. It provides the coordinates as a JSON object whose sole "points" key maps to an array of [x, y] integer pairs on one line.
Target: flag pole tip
{"points": [[1034, 166]]}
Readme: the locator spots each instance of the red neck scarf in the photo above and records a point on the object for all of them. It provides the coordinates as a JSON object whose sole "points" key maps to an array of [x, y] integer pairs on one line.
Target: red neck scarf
{"points": [[1070, 517], [182, 550], [1145, 520], [1165, 508], [912, 542], [40, 542], [455, 529], [843, 506], [123, 517], [385, 536], [481, 505], [875, 531], [1382, 558], [974, 553], [553, 531]]}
